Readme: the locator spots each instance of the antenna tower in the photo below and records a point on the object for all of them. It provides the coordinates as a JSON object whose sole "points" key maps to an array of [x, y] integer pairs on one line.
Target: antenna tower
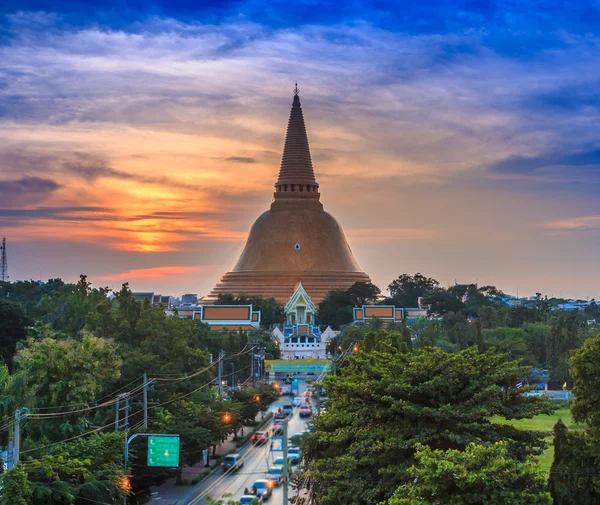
{"points": [[3, 263]]}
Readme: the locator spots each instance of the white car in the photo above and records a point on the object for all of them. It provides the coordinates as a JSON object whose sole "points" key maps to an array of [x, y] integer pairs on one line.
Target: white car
{"points": [[297, 401], [275, 474]]}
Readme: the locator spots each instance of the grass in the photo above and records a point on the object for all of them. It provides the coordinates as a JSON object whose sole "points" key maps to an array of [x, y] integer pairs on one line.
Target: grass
{"points": [[543, 423]]}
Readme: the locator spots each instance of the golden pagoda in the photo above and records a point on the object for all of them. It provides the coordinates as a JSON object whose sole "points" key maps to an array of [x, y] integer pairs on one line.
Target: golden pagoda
{"points": [[295, 240]]}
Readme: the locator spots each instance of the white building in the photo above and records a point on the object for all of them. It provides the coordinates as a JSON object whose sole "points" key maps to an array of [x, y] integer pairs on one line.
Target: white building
{"points": [[300, 337]]}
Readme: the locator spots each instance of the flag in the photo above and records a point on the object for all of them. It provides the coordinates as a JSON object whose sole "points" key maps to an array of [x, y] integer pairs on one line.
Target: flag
{"points": [[519, 385], [565, 385]]}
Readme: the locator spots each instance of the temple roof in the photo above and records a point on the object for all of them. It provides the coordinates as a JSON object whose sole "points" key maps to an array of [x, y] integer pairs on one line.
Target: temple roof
{"points": [[296, 164]]}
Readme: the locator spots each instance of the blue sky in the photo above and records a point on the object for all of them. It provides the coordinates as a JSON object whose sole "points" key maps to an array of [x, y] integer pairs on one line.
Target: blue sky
{"points": [[458, 139]]}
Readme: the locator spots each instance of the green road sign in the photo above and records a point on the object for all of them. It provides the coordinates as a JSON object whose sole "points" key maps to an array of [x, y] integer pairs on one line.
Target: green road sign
{"points": [[163, 451]]}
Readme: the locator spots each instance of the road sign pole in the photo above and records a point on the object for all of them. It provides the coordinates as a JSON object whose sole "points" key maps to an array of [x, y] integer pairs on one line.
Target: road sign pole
{"points": [[145, 401]]}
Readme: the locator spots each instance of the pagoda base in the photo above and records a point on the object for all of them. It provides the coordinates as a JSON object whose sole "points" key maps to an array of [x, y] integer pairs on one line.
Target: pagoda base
{"points": [[280, 285]]}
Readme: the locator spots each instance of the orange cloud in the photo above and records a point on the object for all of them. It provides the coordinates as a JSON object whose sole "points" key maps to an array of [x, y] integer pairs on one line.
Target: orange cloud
{"points": [[584, 223], [153, 273]]}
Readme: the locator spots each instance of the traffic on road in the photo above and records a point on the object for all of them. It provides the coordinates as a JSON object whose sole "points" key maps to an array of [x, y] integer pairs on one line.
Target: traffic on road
{"points": [[256, 471]]}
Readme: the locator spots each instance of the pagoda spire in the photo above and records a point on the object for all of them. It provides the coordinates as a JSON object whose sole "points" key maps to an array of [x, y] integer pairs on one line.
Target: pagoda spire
{"points": [[296, 175]]}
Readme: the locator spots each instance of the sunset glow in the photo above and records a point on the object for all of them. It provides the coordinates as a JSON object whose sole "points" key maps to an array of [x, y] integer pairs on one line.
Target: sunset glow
{"points": [[142, 147]]}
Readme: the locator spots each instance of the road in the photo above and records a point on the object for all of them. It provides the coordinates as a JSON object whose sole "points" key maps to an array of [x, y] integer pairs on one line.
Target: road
{"points": [[257, 459]]}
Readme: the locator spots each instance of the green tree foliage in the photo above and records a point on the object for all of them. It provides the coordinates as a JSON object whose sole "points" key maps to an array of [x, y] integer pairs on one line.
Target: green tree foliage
{"points": [[575, 472], [65, 371], [383, 401], [197, 425], [363, 293], [16, 488], [585, 406], [444, 301], [30, 294], [13, 328], [479, 475], [336, 309], [512, 341], [565, 335], [406, 290], [67, 308]]}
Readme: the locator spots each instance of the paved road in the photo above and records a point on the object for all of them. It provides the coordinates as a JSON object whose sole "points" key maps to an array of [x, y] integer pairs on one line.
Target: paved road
{"points": [[257, 459]]}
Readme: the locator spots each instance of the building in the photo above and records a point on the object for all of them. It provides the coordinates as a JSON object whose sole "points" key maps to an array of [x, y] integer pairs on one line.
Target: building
{"points": [[231, 317], [388, 314], [295, 240], [155, 299], [300, 337]]}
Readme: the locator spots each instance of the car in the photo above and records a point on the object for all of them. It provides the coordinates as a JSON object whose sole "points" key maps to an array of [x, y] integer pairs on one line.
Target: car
{"points": [[280, 414], [279, 462], [297, 401], [278, 428], [247, 499], [275, 474], [305, 410], [263, 488], [232, 462], [294, 455], [260, 437], [307, 394], [288, 409], [286, 390]]}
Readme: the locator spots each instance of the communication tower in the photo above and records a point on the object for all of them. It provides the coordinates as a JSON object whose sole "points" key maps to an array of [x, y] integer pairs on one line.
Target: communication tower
{"points": [[3, 263]]}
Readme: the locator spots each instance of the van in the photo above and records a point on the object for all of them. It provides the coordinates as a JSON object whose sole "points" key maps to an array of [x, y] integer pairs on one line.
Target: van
{"points": [[232, 462]]}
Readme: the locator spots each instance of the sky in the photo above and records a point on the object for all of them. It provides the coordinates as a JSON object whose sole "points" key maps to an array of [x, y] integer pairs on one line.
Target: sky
{"points": [[140, 140]]}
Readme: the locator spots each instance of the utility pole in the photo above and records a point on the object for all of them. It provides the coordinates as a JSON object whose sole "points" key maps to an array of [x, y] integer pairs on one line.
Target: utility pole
{"points": [[221, 355], [126, 415], [117, 415], [285, 462], [17, 436], [145, 401], [252, 374], [232, 373]]}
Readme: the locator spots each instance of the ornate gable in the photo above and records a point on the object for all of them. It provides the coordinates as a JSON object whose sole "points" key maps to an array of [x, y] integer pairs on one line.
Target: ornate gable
{"points": [[300, 297]]}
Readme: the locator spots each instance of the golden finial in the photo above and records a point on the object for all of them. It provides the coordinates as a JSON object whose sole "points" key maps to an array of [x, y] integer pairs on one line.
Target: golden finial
{"points": [[296, 90]]}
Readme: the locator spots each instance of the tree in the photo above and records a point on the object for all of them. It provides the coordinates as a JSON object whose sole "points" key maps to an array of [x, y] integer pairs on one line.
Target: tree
{"points": [[585, 405], [13, 328], [406, 290], [513, 341], [17, 490], [443, 301], [67, 308], [575, 472], [384, 400], [196, 424], [63, 371], [363, 293], [479, 475], [337, 308], [565, 336]]}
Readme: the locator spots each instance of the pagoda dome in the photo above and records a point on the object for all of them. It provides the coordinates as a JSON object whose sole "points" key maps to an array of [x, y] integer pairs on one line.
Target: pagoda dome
{"points": [[296, 240]]}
